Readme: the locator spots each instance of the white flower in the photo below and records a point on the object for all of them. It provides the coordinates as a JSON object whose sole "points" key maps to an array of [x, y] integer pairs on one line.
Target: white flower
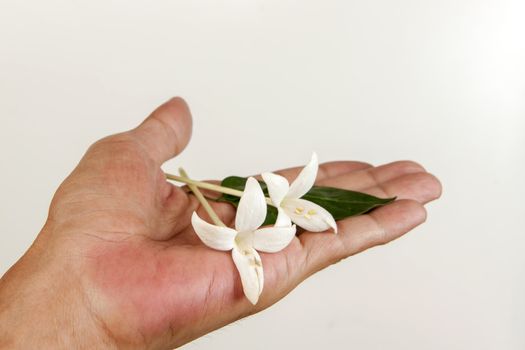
{"points": [[286, 197], [247, 238]]}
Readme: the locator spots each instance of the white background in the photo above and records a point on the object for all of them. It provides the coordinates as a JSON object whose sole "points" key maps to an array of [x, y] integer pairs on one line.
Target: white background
{"points": [[441, 82]]}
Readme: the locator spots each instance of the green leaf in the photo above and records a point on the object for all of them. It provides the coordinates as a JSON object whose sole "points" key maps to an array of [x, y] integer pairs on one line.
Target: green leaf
{"points": [[340, 203]]}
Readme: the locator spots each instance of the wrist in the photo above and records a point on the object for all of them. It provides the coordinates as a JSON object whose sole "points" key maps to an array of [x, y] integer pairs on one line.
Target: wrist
{"points": [[43, 306]]}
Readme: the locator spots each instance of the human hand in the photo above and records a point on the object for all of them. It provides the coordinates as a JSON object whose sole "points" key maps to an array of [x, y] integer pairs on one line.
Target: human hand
{"points": [[117, 264]]}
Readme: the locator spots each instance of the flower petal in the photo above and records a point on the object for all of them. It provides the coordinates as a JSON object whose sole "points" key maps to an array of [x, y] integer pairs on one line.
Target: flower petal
{"points": [[283, 220], [278, 187], [249, 265], [251, 211], [305, 180], [308, 215], [216, 237], [273, 239]]}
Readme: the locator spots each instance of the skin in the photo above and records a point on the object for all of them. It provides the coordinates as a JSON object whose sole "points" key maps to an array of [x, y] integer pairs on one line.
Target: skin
{"points": [[118, 265]]}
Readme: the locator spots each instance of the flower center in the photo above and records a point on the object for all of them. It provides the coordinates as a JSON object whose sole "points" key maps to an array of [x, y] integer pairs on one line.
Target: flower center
{"points": [[244, 241], [308, 214]]}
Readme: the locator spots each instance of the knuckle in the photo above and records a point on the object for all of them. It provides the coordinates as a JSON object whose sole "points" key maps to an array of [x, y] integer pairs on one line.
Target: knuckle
{"points": [[340, 249], [411, 166], [117, 154], [113, 143]]}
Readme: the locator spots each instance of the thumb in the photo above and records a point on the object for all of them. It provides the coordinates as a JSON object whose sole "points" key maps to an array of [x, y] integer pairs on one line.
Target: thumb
{"points": [[167, 131]]}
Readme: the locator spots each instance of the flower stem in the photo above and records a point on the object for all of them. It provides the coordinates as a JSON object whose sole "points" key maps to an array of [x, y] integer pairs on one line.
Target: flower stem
{"points": [[205, 204], [208, 186], [205, 185]]}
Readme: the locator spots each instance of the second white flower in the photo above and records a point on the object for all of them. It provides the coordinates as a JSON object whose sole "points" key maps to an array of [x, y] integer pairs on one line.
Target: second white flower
{"points": [[287, 198]]}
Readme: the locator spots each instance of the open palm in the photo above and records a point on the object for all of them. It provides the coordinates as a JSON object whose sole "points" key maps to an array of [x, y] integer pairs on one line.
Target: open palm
{"points": [[143, 273]]}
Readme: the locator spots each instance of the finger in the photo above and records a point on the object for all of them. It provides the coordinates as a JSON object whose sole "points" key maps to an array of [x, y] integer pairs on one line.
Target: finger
{"points": [[420, 186], [383, 224], [360, 233], [347, 174], [371, 177], [408, 180], [167, 131], [327, 170], [332, 175]]}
